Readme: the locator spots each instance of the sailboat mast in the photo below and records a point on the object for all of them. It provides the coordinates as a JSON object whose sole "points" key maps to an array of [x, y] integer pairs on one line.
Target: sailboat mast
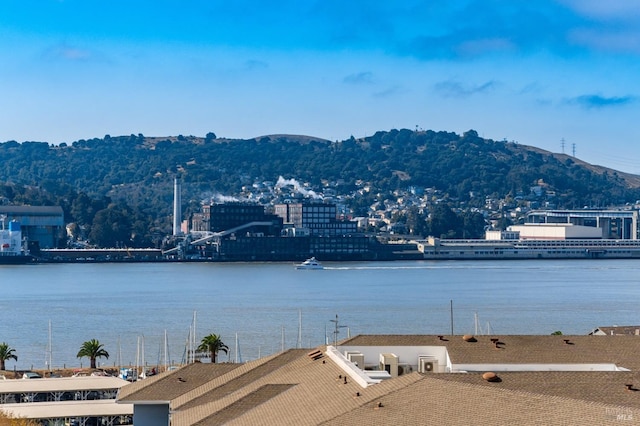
{"points": [[144, 366], [475, 317], [299, 343], [282, 340], [166, 362], [50, 348], [119, 354], [193, 339], [138, 357]]}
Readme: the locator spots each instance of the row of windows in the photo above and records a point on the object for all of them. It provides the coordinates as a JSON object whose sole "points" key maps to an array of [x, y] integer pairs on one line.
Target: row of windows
{"points": [[325, 209], [500, 252], [316, 220], [581, 243], [331, 215], [324, 225]]}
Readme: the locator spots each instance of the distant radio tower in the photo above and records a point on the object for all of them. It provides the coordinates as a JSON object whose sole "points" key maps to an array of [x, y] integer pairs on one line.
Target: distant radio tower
{"points": [[573, 149], [562, 144]]}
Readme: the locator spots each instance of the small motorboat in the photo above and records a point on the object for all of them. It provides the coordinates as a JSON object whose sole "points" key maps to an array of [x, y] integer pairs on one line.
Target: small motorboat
{"points": [[311, 263]]}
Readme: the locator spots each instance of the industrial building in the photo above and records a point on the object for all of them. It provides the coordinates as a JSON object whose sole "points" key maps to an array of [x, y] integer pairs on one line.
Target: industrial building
{"points": [[42, 226], [546, 231], [316, 219], [222, 217], [297, 231], [615, 224]]}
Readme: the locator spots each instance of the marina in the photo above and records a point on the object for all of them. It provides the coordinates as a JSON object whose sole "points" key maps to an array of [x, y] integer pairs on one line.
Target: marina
{"points": [[272, 306]]}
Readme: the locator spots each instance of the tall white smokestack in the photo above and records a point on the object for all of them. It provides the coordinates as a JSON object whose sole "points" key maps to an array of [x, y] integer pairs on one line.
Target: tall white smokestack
{"points": [[177, 207]]}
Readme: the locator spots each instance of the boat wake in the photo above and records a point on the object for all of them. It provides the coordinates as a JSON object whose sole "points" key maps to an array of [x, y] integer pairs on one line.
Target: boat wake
{"points": [[361, 268]]}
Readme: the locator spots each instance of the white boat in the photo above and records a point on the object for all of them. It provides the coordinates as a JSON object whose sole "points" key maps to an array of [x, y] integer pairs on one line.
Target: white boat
{"points": [[311, 263]]}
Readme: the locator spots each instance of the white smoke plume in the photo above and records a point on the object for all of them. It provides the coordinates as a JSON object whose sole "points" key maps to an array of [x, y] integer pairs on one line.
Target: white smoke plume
{"points": [[218, 198], [296, 186]]}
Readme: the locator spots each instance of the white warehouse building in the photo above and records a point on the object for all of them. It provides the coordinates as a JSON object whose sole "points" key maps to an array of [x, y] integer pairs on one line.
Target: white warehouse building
{"points": [[547, 231]]}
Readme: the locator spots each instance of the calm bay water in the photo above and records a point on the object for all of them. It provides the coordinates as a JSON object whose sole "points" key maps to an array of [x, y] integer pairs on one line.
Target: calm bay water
{"points": [[262, 303]]}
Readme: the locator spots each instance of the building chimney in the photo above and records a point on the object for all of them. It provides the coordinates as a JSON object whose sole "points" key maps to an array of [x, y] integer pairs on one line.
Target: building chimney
{"points": [[177, 208]]}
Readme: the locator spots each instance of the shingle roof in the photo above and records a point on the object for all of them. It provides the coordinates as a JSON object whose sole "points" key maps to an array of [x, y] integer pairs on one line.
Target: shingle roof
{"points": [[631, 330], [310, 392], [607, 387], [242, 378], [433, 401], [241, 406], [168, 386], [299, 387], [620, 350]]}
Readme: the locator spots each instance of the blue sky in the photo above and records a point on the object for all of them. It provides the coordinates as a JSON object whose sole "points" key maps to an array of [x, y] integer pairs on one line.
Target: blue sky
{"points": [[535, 72]]}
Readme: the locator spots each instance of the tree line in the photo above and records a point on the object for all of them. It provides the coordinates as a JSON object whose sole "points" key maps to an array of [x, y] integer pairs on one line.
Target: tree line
{"points": [[210, 344], [118, 190]]}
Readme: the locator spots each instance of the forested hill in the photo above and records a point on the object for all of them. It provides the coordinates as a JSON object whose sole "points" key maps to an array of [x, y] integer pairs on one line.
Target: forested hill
{"points": [[139, 170]]}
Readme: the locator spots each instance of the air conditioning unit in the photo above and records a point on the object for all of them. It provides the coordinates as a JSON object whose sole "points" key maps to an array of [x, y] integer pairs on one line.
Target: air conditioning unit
{"points": [[427, 365], [404, 369], [389, 363], [357, 358]]}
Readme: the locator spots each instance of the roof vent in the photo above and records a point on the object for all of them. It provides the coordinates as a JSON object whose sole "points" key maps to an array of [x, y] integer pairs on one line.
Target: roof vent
{"points": [[630, 388], [568, 342], [469, 338], [317, 354], [490, 376], [497, 344]]}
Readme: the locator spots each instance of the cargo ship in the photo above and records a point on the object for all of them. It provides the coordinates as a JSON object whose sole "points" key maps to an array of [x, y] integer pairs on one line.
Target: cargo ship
{"points": [[12, 250]]}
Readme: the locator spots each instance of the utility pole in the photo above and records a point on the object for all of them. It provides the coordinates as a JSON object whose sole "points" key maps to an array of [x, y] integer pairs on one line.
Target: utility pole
{"points": [[562, 144]]}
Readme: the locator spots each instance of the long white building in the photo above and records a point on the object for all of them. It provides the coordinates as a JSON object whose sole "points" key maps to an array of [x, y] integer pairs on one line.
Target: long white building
{"points": [[615, 224]]}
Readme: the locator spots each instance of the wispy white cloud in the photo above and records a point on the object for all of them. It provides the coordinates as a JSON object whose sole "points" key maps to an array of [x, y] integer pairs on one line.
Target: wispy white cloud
{"points": [[254, 64], [608, 40], [391, 91], [457, 89], [598, 101], [482, 46], [364, 77], [606, 10], [67, 52]]}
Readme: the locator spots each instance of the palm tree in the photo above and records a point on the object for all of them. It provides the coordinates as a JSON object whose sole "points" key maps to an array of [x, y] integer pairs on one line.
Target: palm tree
{"points": [[93, 349], [213, 345], [6, 353]]}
